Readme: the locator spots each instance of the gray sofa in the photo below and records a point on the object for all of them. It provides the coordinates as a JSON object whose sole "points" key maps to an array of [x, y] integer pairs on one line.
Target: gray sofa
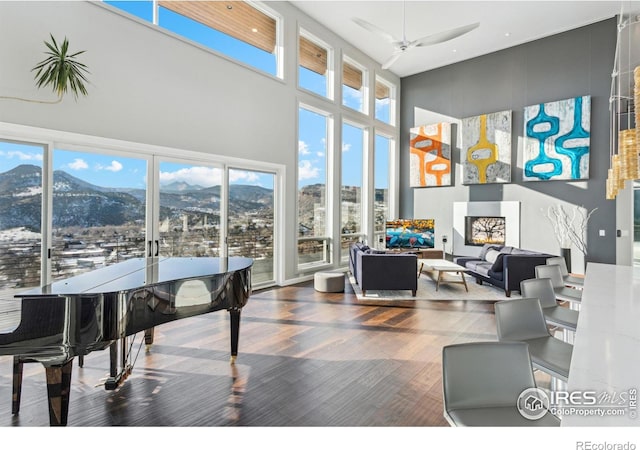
{"points": [[503, 266], [380, 270]]}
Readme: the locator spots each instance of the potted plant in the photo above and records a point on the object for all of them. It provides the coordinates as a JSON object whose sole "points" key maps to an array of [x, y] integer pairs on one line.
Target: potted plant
{"points": [[61, 71]]}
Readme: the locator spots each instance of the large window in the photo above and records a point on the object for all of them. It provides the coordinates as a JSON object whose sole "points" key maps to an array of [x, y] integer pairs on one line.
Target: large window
{"points": [[353, 139], [86, 209], [313, 139], [382, 159], [20, 215], [235, 28], [354, 86], [314, 65]]}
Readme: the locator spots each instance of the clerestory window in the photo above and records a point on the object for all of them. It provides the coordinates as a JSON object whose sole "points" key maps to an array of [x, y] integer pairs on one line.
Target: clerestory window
{"points": [[236, 29]]}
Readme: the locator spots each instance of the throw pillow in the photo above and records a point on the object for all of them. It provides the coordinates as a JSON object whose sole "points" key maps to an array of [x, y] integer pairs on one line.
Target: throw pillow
{"points": [[483, 251], [492, 255], [498, 264]]}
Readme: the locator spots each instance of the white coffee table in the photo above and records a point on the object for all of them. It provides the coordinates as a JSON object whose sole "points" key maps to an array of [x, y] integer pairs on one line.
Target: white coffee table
{"points": [[437, 268]]}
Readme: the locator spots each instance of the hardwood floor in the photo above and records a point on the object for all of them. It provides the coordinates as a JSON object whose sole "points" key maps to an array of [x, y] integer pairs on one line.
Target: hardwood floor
{"points": [[305, 359]]}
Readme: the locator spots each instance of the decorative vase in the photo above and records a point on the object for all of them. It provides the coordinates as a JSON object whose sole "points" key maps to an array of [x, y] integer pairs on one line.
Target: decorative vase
{"points": [[566, 254]]}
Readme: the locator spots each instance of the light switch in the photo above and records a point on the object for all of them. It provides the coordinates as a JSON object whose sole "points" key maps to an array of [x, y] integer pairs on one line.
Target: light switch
{"points": [[601, 232]]}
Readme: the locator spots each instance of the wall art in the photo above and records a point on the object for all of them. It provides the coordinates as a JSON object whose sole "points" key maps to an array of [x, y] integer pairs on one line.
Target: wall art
{"points": [[486, 148], [430, 155], [557, 140]]}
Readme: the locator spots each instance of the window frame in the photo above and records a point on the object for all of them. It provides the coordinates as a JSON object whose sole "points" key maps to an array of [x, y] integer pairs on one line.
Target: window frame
{"points": [[329, 78]]}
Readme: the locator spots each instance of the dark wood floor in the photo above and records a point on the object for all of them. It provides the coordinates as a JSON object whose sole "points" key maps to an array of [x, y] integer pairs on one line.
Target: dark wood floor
{"points": [[306, 359]]}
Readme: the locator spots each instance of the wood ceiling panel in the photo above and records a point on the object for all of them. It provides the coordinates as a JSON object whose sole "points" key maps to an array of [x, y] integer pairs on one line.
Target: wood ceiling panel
{"points": [[235, 18]]}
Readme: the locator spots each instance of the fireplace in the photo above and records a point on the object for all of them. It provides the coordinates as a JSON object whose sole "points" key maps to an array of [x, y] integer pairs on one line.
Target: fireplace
{"points": [[480, 230]]}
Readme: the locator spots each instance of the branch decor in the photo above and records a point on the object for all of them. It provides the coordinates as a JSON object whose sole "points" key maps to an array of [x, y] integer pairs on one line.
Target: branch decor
{"points": [[570, 227]]}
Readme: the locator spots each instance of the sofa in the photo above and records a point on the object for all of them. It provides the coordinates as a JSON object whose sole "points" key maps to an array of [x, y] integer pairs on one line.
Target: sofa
{"points": [[503, 266], [379, 270]]}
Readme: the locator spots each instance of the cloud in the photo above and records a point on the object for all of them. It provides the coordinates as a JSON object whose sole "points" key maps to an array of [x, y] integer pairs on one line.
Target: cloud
{"points": [[320, 154], [346, 147], [242, 175], [306, 172], [78, 164], [22, 156], [114, 167], [303, 148], [202, 176]]}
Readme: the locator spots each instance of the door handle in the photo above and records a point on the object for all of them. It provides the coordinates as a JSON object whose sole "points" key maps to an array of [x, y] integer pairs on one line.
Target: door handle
{"points": [[157, 247]]}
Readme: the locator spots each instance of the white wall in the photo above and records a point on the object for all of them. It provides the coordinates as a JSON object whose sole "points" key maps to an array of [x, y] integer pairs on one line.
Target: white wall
{"points": [[150, 87]]}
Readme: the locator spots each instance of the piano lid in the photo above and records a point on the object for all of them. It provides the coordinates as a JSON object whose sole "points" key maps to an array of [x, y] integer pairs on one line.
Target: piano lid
{"points": [[139, 272]]}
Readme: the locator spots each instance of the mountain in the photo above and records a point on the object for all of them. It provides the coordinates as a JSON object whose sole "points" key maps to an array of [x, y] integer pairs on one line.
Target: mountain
{"points": [[180, 186], [78, 203]]}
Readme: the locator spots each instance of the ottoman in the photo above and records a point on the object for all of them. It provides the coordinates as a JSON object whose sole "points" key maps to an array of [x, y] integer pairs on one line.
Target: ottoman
{"points": [[328, 281]]}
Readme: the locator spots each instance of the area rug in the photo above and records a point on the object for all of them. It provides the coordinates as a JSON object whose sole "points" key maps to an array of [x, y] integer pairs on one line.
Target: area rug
{"points": [[427, 291]]}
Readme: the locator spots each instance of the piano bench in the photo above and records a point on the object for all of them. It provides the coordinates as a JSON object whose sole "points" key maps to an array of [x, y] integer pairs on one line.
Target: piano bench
{"points": [[328, 281]]}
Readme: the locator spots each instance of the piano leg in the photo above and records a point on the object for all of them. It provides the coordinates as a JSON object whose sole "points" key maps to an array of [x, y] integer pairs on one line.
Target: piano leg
{"points": [[58, 389], [17, 385], [234, 315], [148, 338]]}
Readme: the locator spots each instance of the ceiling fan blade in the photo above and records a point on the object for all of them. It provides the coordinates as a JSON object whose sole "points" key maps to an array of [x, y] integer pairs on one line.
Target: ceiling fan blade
{"points": [[388, 63], [374, 29], [444, 36]]}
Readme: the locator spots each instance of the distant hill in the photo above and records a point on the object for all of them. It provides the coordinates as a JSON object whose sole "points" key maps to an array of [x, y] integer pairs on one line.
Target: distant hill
{"points": [[79, 203]]}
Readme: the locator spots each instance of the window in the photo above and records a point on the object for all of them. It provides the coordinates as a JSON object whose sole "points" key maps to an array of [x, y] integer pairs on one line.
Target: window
{"points": [[251, 220], [140, 9], [354, 83], [314, 63], [382, 158], [189, 213], [353, 138], [234, 28], [313, 136], [99, 211], [20, 215], [385, 100]]}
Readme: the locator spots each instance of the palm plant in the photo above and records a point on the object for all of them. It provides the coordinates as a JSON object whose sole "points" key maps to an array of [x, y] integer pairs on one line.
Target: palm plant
{"points": [[60, 70]]}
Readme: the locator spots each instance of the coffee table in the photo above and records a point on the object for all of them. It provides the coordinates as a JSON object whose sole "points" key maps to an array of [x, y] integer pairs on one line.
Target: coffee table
{"points": [[437, 268]]}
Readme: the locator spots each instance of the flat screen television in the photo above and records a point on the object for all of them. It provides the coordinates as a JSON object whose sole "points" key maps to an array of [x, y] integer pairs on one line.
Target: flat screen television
{"points": [[410, 233]]}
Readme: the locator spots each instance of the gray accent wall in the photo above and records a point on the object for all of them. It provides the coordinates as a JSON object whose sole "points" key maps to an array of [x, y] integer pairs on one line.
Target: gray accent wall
{"points": [[567, 65]]}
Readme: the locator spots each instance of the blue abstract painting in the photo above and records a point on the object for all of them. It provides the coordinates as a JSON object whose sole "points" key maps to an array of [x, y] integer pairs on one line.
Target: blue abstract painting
{"points": [[557, 140]]}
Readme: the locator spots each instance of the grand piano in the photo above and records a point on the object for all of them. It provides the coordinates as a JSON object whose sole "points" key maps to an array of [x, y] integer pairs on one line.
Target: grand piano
{"points": [[106, 307]]}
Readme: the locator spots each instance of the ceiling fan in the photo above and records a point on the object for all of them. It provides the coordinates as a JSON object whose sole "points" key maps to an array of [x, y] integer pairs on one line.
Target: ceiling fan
{"points": [[403, 45]]}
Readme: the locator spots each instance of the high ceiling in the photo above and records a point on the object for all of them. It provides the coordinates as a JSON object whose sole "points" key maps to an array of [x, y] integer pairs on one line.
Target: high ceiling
{"points": [[503, 24]]}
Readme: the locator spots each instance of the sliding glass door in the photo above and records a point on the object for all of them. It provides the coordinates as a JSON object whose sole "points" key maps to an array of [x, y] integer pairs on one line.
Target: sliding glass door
{"points": [[99, 210], [91, 208], [189, 209], [20, 215], [251, 220]]}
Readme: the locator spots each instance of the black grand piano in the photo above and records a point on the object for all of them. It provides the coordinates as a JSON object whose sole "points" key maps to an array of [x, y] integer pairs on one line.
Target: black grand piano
{"points": [[105, 307]]}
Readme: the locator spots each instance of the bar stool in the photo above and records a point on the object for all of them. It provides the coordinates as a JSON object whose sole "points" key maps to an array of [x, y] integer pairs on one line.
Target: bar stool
{"points": [[522, 320], [482, 382], [563, 293], [569, 280], [554, 314]]}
